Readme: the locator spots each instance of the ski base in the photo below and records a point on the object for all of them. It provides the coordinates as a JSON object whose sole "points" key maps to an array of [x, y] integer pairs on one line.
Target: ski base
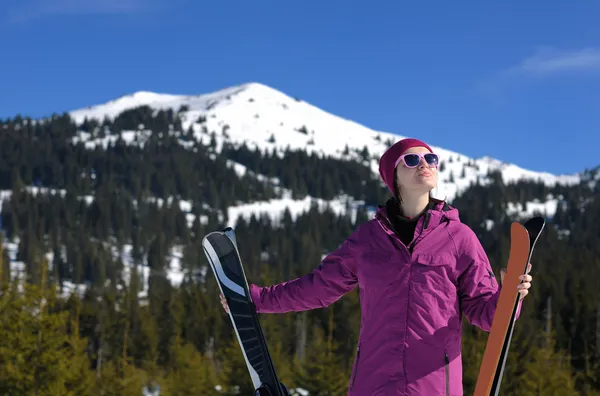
{"points": [[220, 248], [522, 242]]}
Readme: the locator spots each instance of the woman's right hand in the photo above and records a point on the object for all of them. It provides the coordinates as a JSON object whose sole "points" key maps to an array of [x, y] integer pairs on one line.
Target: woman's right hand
{"points": [[224, 302]]}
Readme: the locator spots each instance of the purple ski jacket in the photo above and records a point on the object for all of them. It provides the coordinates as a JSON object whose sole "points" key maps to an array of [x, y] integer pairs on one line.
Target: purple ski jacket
{"points": [[412, 300]]}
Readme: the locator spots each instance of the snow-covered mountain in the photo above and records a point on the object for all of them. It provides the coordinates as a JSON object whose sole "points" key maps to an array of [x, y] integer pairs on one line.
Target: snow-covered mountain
{"points": [[268, 119], [264, 118]]}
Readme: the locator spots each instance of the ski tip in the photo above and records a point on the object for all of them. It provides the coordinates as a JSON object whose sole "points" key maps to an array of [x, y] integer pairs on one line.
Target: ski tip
{"points": [[208, 236], [230, 233], [535, 225], [538, 220]]}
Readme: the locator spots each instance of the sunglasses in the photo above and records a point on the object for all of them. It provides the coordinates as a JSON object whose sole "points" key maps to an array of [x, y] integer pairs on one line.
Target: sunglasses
{"points": [[413, 160]]}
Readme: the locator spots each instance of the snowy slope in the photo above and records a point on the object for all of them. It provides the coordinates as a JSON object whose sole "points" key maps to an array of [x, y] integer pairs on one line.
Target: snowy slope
{"points": [[266, 118]]}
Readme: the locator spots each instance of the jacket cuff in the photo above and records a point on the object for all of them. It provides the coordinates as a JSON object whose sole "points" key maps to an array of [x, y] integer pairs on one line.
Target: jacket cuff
{"points": [[255, 296]]}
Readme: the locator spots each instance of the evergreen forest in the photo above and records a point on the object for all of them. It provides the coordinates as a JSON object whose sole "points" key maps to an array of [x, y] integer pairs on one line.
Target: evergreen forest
{"points": [[89, 304]]}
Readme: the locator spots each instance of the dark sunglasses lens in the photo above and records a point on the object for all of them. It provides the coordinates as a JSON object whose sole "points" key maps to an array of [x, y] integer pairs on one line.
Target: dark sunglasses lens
{"points": [[432, 159], [412, 160]]}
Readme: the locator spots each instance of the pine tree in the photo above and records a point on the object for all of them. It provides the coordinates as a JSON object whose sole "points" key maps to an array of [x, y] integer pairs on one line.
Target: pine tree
{"points": [[189, 373], [548, 373], [233, 378], [322, 373], [37, 353], [80, 379], [116, 380]]}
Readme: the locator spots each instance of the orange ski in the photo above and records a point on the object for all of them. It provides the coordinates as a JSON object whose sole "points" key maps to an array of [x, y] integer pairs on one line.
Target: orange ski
{"points": [[522, 242]]}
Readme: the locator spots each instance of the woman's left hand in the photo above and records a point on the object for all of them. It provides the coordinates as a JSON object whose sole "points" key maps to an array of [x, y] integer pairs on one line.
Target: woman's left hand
{"points": [[524, 286]]}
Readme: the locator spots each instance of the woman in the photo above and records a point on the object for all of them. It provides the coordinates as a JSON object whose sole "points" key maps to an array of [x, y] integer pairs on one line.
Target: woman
{"points": [[418, 269]]}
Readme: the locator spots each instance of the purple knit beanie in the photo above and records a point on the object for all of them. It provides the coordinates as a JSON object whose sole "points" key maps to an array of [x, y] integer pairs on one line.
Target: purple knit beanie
{"points": [[387, 169]]}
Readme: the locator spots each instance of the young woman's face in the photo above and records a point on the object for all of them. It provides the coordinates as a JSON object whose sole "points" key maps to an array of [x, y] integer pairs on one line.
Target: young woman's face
{"points": [[421, 179]]}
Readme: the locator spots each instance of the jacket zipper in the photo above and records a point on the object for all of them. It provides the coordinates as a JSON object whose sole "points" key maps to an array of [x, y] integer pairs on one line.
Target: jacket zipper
{"points": [[411, 246], [388, 229], [447, 374]]}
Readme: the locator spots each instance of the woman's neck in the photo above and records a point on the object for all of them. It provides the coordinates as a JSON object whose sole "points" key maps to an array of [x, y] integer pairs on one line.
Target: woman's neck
{"points": [[412, 206]]}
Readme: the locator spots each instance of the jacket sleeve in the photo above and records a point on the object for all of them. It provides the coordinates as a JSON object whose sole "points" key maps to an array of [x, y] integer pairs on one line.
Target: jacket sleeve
{"points": [[478, 288], [334, 277]]}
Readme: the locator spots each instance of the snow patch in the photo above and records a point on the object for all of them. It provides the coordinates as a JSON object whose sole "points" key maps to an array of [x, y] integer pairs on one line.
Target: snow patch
{"points": [[546, 209]]}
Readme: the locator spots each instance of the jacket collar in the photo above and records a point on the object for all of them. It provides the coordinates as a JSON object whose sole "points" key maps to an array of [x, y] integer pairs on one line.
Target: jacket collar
{"points": [[437, 212]]}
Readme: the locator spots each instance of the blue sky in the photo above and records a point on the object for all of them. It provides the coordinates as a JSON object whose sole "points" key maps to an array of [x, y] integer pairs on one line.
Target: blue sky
{"points": [[518, 81]]}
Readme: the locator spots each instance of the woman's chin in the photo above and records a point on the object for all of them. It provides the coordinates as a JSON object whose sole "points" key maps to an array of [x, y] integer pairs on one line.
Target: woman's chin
{"points": [[425, 181]]}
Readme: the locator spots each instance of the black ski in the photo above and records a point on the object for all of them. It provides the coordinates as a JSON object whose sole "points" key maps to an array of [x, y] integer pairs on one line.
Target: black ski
{"points": [[220, 248]]}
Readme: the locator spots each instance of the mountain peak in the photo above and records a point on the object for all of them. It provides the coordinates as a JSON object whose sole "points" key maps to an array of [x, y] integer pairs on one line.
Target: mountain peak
{"points": [[264, 118], [157, 101]]}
